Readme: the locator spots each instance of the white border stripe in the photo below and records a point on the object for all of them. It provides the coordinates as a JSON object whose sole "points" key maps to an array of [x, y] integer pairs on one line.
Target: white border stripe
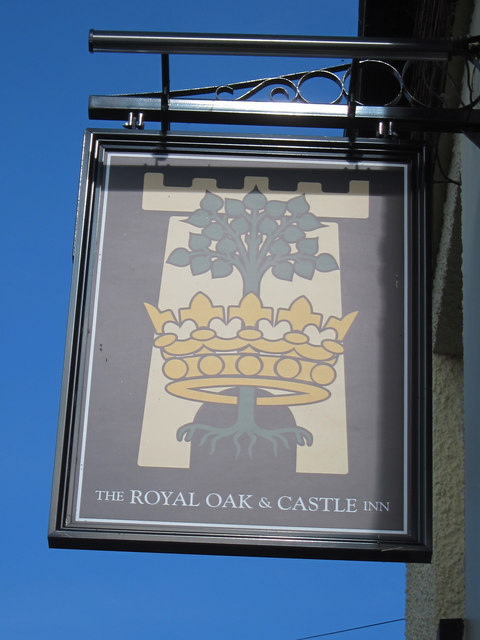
{"points": [[92, 340], [269, 162]]}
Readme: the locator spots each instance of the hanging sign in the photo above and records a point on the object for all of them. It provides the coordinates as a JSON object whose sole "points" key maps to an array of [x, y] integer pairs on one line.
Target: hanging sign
{"points": [[245, 369]]}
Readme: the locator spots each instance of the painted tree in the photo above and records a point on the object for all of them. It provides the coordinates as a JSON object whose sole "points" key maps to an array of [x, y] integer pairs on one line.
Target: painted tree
{"points": [[252, 235]]}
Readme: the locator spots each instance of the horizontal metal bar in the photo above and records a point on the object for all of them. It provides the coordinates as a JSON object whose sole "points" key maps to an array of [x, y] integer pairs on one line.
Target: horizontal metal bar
{"points": [[266, 45], [283, 114]]}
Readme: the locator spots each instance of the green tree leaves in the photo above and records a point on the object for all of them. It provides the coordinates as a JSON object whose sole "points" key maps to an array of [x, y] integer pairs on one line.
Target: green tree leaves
{"points": [[198, 242], [179, 257], [280, 248], [255, 200], [293, 234], [275, 209], [267, 226], [240, 226], [214, 231], [221, 268], [325, 262], [199, 264], [283, 271], [200, 218], [298, 205], [309, 222], [226, 246], [308, 246], [234, 208], [304, 268], [253, 235], [211, 202]]}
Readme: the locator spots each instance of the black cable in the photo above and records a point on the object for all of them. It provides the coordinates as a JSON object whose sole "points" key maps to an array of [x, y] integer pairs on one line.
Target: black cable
{"points": [[365, 626], [447, 179]]}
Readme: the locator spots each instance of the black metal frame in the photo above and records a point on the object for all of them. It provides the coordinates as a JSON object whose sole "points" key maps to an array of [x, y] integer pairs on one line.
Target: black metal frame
{"points": [[414, 547], [403, 113]]}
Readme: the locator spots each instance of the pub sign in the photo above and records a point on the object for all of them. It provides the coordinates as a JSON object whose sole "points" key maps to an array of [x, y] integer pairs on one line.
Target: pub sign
{"points": [[246, 366]]}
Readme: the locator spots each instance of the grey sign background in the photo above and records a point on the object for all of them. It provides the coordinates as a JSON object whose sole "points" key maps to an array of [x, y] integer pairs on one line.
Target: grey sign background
{"points": [[372, 271]]}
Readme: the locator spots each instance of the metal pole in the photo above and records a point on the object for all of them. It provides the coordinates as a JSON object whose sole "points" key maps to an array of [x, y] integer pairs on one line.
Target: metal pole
{"points": [[284, 114], [165, 91], [265, 45]]}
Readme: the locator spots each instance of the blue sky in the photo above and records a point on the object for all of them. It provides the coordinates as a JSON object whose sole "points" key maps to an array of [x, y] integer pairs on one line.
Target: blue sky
{"points": [[48, 75]]}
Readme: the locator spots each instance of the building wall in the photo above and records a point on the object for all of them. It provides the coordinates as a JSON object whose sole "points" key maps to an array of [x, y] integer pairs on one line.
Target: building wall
{"points": [[450, 586], [436, 590]]}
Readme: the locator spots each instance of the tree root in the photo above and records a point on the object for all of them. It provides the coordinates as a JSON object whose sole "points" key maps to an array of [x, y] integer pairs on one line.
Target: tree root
{"points": [[236, 431]]}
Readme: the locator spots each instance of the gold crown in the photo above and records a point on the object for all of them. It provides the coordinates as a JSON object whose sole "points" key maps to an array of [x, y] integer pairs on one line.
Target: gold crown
{"points": [[295, 369]]}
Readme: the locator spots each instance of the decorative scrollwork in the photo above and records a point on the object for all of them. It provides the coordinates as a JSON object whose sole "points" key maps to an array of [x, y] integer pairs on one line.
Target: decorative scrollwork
{"points": [[383, 73], [327, 74], [291, 87], [419, 83], [278, 88]]}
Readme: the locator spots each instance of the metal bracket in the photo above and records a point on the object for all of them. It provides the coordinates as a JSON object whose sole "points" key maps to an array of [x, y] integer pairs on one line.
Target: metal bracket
{"points": [[135, 121], [411, 65], [385, 130]]}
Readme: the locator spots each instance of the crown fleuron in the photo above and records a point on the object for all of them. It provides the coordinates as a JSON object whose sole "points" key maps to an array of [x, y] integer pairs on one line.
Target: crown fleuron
{"points": [[292, 352]]}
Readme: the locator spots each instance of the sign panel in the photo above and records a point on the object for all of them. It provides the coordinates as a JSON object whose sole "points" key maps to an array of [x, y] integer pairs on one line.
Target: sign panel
{"points": [[246, 370]]}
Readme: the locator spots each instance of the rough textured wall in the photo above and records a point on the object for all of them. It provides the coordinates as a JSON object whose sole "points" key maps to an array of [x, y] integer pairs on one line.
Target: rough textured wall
{"points": [[436, 590]]}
